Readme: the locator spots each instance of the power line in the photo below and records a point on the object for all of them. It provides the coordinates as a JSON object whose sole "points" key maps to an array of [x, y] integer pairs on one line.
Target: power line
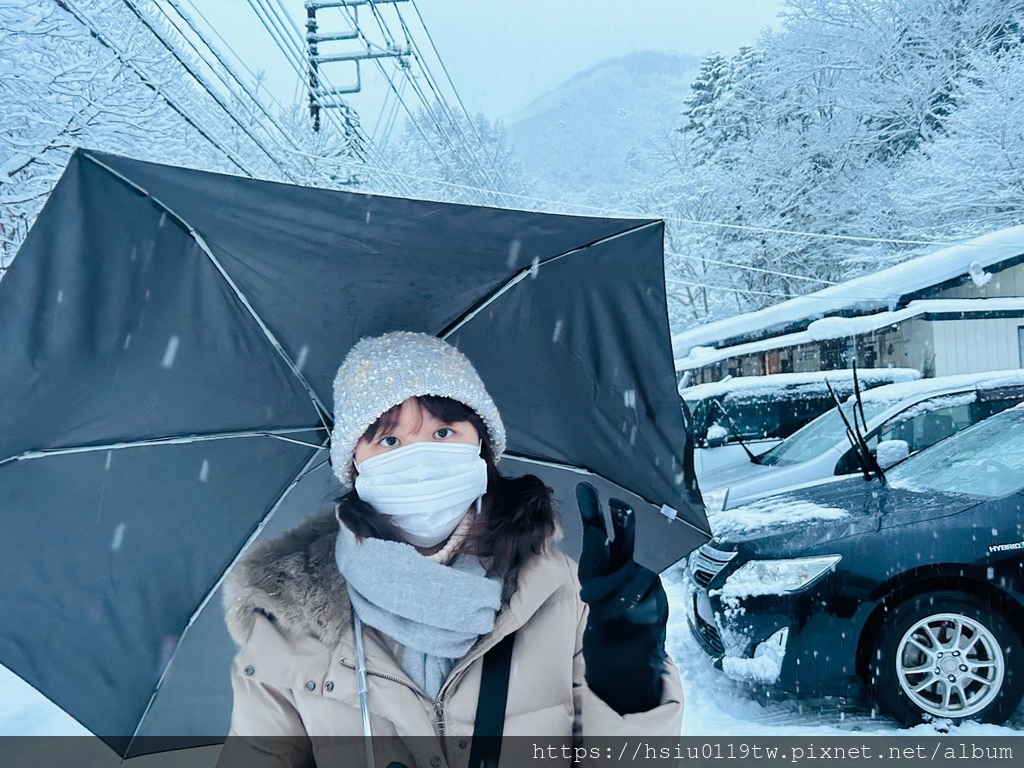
{"points": [[733, 289], [445, 108], [130, 5], [279, 35], [366, 145], [79, 15], [458, 98], [675, 219], [398, 94], [276, 26], [749, 268], [418, 91], [239, 59], [225, 65], [429, 112], [197, 76]]}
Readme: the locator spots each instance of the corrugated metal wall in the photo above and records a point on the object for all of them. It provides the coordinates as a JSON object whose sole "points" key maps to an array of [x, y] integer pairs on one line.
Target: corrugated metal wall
{"points": [[971, 346]]}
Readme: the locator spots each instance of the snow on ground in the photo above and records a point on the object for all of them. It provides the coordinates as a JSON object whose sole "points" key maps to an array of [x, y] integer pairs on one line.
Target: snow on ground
{"points": [[714, 705]]}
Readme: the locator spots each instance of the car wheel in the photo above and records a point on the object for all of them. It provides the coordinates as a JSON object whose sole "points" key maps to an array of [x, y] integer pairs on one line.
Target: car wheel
{"points": [[946, 655]]}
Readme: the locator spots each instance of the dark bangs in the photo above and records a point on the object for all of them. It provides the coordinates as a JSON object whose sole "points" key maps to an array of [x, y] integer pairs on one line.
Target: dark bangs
{"points": [[443, 408]]}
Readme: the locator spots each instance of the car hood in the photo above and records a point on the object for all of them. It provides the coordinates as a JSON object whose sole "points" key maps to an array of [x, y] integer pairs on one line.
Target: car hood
{"points": [[731, 474], [815, 519]]}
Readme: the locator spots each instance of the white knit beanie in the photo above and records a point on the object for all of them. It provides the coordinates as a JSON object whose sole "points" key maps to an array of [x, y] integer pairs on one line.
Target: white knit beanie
{"points": [[380, 372]]}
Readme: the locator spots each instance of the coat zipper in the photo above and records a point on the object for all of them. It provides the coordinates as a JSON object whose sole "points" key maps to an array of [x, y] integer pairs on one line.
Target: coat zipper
{"points": [[438, 705], [439, 711]]}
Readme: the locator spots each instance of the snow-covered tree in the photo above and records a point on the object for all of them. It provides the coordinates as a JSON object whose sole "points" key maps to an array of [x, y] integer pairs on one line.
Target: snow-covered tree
{"points": [[93, 73], [970, 180], [822, 132]]}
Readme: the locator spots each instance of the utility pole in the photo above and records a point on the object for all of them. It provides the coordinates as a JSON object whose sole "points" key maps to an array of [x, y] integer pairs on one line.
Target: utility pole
{"points": [[319, 97]]}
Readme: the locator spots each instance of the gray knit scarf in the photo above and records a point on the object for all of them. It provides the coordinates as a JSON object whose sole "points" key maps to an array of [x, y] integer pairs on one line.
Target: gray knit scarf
{"points": [[435, 611]]}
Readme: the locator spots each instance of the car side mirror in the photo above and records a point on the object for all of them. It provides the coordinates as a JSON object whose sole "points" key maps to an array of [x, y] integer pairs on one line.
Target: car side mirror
{"points": [[717, 436], [891, 452]]}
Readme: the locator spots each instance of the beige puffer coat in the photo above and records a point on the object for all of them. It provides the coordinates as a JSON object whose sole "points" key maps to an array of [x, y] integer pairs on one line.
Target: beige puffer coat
{"points": [[295, 672]]}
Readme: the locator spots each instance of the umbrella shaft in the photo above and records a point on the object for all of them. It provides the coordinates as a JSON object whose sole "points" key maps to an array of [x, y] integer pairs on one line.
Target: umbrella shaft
{"points": [[364, 702]]}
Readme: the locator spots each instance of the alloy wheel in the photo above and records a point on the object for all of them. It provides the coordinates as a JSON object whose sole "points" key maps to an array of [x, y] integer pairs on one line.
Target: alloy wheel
{"points": [[950, 665]]}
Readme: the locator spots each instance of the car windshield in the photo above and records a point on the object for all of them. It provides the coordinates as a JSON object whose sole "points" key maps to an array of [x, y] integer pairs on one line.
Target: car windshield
{"points": [[979, 461], [818, 436]]}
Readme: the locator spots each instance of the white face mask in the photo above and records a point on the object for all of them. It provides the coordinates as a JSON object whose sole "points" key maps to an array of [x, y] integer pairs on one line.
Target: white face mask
{"points": [[425, 488]]}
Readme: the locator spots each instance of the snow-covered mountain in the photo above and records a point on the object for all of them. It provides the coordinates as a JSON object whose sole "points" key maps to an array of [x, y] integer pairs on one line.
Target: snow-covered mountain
{"points": [[579, 139]]}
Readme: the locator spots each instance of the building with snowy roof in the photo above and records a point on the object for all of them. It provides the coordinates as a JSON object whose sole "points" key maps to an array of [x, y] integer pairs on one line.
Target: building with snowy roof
{"points": [[956, 310]]}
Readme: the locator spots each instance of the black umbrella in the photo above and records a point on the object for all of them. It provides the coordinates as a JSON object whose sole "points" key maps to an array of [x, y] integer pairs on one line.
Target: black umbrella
{"points": [[168, 340]]}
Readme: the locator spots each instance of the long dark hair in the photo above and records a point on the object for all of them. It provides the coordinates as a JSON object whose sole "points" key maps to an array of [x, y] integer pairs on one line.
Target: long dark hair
{"points": [[517, 516]]}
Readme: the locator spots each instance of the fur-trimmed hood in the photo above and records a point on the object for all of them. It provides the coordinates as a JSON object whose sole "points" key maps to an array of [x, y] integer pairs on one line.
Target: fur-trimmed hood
{"points": [[294, 580]]}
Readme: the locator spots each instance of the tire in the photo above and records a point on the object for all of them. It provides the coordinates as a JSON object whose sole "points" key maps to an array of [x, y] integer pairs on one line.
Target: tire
{"points": [[946, 655]]}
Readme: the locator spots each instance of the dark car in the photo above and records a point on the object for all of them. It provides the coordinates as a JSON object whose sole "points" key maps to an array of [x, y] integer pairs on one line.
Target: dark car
{"points": [[909, 590]]}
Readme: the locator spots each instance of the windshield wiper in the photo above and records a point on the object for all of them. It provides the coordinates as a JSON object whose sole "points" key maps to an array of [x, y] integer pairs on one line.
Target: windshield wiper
{"points": [[873, 464], [865, 459], [854, 443], [734, 432]]}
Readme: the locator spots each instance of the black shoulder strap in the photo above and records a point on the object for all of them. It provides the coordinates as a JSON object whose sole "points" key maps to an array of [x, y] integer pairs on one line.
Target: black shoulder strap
{"points": [[490, 707]]}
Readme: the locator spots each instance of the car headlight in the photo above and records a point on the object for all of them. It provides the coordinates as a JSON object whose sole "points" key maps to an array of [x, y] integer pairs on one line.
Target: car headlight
{"points": [[715, 500], [777, 577]]}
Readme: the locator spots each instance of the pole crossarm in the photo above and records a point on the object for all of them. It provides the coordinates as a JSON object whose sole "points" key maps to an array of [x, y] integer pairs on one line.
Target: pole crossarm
{"points": [[389, 53], [316, 6]]}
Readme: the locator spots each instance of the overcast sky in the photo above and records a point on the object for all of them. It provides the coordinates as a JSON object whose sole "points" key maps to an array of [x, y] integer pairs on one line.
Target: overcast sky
{"points": [[502, 54]]}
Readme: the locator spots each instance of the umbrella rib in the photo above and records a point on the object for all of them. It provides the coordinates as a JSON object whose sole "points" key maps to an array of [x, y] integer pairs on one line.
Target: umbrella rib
{"points": [[584, 471], [209, 595], [198, 238], [521, 275], [278, 434]]}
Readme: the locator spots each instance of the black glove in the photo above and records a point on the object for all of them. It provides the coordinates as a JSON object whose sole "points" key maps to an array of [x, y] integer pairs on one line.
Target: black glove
{"points": [[624, 640]]}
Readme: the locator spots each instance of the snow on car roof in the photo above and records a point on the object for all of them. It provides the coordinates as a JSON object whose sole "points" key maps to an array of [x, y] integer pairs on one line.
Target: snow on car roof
{"points": [[879, 290], [910, 389], [811, 381]]}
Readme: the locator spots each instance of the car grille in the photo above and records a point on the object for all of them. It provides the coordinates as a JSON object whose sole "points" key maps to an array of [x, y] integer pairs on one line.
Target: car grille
{"points": [[708, 635], [706, 562]]}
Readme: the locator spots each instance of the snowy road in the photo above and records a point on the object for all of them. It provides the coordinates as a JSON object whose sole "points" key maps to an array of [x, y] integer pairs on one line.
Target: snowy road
{"points": [[715, 705]]}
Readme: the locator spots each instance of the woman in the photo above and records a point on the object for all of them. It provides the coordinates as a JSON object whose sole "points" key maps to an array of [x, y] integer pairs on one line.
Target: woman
{"points": [[433, 558]]}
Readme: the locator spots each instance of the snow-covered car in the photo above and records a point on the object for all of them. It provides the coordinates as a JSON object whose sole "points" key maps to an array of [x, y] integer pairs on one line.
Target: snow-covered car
{"points": [[904, 418], [760, 411], [910, 590]]}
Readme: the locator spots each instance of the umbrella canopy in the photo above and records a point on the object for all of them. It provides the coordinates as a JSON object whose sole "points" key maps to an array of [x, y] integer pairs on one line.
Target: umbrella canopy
{"points": [[168, 342]]}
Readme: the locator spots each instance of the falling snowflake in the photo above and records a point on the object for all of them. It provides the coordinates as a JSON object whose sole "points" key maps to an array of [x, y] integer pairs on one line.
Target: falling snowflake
{"points": [[513, 252], [115, 543], [170, 352]]}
